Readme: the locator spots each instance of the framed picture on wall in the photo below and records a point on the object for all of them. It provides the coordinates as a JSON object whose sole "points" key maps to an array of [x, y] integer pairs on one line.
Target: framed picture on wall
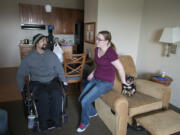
{"points": [[89, 32]]}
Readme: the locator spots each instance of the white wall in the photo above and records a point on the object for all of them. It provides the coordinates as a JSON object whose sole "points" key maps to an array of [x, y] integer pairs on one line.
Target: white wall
{"points": [[136, 28], [123, 19], [90, 10], [11, 34], [90, 15], [158, 14]]}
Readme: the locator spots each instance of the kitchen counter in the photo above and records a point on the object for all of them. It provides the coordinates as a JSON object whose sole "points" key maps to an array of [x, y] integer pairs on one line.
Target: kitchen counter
{"points": [[25, 49]]}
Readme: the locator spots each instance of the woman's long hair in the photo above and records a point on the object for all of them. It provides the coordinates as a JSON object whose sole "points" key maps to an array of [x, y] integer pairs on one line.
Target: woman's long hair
{"points": [[107, 36]]}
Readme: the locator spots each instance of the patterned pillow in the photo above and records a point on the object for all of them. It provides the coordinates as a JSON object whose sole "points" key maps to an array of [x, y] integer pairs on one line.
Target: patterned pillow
{"points": [[130, 89]]}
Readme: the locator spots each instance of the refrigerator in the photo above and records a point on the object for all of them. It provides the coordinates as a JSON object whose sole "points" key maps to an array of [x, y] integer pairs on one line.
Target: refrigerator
{"points": [[79, 36]]}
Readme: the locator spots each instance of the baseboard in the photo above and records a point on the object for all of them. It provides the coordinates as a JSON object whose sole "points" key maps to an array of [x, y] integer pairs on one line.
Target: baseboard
{"points": [[174, 108]]}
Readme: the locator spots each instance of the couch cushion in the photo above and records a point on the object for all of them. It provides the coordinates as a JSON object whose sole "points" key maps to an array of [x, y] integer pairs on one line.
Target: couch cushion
{"points": [[161, 122], [129, 68], [141, 103], [128, 64], [110, 98]]}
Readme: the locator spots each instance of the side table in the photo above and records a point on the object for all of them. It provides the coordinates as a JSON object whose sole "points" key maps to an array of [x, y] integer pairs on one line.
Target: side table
{"points": [[165, 81]]}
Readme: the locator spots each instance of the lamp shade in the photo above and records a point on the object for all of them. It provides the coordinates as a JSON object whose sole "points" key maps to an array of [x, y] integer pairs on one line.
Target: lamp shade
{"points": [[170, 35]]}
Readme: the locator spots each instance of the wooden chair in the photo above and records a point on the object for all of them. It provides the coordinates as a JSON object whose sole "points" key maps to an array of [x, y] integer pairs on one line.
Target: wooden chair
{"points": [[73, 67]]}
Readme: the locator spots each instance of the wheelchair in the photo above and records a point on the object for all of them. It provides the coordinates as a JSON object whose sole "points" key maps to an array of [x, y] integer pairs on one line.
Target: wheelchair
{"points": [[30, 107]]}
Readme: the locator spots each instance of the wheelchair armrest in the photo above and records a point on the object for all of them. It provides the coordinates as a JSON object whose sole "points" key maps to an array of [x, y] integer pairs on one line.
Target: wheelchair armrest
{"points": [[65, 87]]}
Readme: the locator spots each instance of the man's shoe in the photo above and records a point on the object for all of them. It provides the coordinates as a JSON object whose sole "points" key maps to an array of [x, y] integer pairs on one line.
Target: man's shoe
{"points": [[82, 127], [58, 125], [55, 124], [43, 126], [93, 115], [43, 130]]}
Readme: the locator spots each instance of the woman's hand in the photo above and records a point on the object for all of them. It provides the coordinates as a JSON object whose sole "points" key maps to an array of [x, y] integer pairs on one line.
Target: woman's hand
{"points": [[90, 76], [125, 83]]}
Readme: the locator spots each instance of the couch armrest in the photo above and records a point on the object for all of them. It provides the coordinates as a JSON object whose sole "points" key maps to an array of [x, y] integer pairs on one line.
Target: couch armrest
{"points": [[116, 101], [119, 104], [155, 90]]}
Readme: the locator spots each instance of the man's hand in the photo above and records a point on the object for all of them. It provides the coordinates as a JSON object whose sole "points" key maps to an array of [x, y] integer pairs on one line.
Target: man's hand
{"points": [[90, 77], [65, 85], [22, 93]]}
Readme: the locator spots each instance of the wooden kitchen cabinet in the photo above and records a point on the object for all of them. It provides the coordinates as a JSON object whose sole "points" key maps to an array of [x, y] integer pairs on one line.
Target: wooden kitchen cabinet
{"points": [[70, 17], [63, 19], [31, 14], [79, 15], [67, 21], [58, 20]]}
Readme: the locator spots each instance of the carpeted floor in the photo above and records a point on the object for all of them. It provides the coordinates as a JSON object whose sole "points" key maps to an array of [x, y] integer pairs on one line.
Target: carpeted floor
{"points": [[8, 87], [18, 124]]}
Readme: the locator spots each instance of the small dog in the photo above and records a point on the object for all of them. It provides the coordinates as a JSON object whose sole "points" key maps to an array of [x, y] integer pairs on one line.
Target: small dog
{"points": [[130, 89]]}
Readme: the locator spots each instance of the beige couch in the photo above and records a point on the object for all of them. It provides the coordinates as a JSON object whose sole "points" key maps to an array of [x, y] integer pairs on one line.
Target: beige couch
{"points": [[117, 110]]}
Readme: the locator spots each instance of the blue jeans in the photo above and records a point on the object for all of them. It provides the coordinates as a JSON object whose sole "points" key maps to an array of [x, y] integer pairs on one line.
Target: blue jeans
{"points": [[94, 89], [3, 122]]}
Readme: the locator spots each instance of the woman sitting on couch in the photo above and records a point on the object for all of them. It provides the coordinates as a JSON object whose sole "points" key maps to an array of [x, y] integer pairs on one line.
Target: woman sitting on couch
{"points": [[101, 79]]}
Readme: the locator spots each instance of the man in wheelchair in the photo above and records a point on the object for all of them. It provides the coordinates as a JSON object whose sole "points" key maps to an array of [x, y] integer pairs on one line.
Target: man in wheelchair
{"points": [[45, 70]]}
